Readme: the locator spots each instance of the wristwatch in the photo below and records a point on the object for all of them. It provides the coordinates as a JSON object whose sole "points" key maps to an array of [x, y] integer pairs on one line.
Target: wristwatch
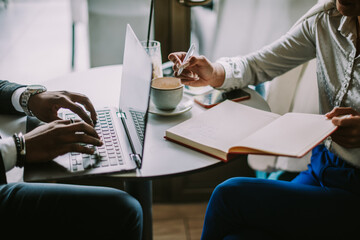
{"points": [[31, 90]]}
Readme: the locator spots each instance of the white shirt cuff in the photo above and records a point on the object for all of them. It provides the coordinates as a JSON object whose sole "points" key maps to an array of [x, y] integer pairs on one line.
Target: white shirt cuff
{"points": [[8, 152], [15, 99], [233, 72]]}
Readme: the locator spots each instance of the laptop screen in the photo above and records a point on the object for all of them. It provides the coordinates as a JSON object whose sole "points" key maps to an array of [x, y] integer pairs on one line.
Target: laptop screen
{"points": [[135, 89], [136, 74]]}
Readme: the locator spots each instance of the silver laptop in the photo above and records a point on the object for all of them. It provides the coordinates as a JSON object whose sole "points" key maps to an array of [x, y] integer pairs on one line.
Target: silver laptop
{"points": [[122, 130]]}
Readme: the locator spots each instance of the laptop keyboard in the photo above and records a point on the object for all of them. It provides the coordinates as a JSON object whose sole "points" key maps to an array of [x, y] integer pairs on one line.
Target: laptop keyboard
{"points": [[139, 121], [109, 154]]}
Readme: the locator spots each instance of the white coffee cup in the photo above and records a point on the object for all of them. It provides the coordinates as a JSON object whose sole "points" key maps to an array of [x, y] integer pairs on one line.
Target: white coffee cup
{"points": [[166, 92]]}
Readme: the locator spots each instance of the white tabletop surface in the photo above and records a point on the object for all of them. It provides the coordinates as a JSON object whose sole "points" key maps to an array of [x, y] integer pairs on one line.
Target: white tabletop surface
{"points": [[161, 157]]}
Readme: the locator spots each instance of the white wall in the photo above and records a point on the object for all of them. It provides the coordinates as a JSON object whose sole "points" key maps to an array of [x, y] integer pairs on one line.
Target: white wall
{"points": [[238, 27]]}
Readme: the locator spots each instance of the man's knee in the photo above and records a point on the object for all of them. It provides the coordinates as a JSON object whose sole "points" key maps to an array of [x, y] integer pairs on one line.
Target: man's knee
{"points": [[127, 213], [133, 207], [127, 205]]}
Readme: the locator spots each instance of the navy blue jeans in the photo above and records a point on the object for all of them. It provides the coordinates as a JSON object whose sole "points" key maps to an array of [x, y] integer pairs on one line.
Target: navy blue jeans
{"points": [[68, 211], [322, 202]]}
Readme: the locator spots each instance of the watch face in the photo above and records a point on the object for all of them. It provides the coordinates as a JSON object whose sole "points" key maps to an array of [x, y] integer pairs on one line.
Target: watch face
{"points": [[36, 87]]}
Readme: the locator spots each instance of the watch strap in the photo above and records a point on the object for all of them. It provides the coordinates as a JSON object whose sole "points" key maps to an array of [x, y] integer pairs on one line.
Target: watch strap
{"points": [[25, 97]]}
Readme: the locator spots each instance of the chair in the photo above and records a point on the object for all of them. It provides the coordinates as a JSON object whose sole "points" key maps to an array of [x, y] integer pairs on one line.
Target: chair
{"points": [[294, 91]]}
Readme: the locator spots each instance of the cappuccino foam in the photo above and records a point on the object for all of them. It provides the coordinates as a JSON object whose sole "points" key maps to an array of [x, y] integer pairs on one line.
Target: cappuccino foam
{"points": [[166, 83]]}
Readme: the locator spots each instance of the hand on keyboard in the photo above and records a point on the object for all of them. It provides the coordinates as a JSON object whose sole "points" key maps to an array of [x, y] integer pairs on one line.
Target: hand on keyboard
{"points": [[109, 154], [48, 141]]}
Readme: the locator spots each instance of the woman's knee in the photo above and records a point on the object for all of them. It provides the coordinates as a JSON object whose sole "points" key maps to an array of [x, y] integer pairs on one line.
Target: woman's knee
{"points": [[238, 185]]}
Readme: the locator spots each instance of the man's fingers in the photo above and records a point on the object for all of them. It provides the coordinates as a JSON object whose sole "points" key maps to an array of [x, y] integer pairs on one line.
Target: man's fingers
{"points": [[75, 147], [71, 121], [72, 106], [85, 101], [79, 126], [76, 132], [82, 138]]}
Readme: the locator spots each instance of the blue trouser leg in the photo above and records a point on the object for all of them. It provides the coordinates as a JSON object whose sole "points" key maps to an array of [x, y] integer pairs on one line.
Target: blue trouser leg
{"points": [[321, 202], [243, 206], [69, 211]]}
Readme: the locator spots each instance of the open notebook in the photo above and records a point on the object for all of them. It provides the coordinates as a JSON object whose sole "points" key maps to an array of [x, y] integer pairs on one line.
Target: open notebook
{"points": [[232, 128]]}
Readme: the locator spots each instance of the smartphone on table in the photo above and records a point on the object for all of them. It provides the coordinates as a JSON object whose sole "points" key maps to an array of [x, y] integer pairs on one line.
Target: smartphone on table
{"points": [[215, 97]]}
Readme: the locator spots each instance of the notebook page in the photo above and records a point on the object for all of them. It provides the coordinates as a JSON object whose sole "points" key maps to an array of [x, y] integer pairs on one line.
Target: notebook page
{"points": [[293, 134], [223, 125]]}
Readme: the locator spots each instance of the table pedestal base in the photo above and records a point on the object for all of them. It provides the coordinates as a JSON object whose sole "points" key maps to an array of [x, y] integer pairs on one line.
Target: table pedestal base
{"points": [[142, 191]]}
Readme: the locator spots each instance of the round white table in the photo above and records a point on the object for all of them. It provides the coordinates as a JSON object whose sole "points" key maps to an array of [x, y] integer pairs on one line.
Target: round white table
{"points": [[161, 158]]}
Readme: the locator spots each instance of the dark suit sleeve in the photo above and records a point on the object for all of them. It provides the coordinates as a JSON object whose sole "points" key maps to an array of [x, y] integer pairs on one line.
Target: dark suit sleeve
{"points": [[6, 91], [2, 171], [6, 107]]}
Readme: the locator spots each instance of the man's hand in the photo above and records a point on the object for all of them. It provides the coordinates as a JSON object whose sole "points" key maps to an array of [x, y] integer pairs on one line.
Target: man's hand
{"points": [[198, 71], [48, 141], [348, 122], [45, 105]]}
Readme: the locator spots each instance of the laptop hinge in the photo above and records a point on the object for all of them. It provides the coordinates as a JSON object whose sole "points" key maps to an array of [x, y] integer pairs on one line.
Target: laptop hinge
{"points": [[136, 158], [121, 115]]}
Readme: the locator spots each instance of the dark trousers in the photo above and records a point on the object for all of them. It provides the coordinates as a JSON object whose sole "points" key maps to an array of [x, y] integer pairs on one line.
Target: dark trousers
{"points": [[322, 202], [68, 211]]}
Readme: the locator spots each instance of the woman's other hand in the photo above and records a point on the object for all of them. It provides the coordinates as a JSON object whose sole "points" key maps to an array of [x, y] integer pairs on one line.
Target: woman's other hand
{"points": [[348, 122]]}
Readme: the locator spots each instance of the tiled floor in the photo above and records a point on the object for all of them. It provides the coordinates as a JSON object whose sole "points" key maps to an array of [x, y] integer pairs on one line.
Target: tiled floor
{"points": [[35, 45]]}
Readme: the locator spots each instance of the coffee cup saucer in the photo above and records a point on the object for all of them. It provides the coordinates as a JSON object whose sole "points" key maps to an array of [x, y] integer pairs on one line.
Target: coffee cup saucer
{"points": [[184, 106]]}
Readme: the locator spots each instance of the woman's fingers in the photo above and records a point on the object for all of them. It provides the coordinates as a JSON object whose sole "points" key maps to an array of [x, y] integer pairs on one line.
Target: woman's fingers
{"points": [[339, 111], [187, 75]]}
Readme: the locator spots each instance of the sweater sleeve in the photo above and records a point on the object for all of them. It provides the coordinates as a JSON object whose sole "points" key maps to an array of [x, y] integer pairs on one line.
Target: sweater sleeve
{"points": [[294, 48]]}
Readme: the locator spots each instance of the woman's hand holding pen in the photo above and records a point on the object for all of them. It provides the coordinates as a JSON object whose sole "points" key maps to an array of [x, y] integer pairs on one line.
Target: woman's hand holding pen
{"points": [[348, 122], [198, 71]]}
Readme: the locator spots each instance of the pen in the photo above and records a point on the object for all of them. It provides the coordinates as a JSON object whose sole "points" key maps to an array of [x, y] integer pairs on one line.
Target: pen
{"points": [[189, 53]]}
